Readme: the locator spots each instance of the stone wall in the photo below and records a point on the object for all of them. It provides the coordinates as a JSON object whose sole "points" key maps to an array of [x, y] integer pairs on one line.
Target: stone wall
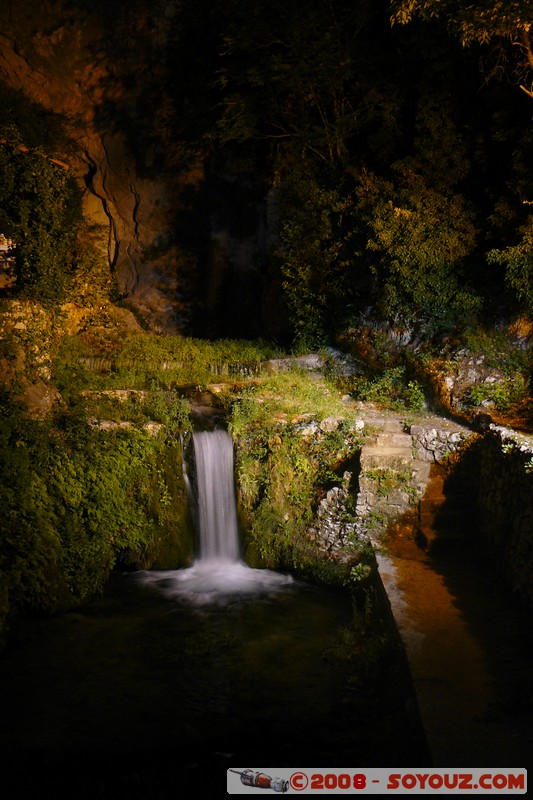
{"points": [[489, 480], [505, 505], [495, 469], [335, 527], [437, 437], [396, 465]]}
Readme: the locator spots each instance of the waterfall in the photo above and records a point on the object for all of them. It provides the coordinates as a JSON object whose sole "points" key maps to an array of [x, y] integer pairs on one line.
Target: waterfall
{"points": [[217, 515], [218, 576]]}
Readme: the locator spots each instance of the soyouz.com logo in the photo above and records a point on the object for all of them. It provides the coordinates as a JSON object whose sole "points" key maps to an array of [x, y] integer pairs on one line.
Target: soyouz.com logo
{"points": [[507, 781]]}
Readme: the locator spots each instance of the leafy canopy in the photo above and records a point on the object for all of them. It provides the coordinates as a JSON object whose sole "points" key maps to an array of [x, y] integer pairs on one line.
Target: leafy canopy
{"points": [[518, 262], [289, 74], [480, 22]]}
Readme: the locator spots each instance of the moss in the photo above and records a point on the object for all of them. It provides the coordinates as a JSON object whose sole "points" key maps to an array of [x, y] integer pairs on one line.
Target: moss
{"points": [[391, 479], [285, 462], [78, 502], [101, 359]]}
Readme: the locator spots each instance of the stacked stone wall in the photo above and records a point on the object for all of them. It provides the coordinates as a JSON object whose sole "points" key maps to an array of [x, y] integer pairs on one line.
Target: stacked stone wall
{"points": [[436, 438], [505, 506], [489, 478]]}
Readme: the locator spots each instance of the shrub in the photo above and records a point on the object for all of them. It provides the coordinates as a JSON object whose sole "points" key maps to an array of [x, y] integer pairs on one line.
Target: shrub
{"points": [[517, 260], [42, 206], [392, 390]]}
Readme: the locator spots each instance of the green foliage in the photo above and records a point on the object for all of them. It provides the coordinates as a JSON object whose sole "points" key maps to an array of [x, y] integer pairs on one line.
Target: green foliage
{"points": [[41, 205], [92, 283], [142, 361], [375, 521], [359, 574], [420, 232], [315, 254], [387, 193], [167, 408], [76, 501], [151, 363], [293, 395], [509, 385], [401, 240], [282, 472], [518, 263], [499, 351], [504, 395], [277, 524], [252, 475], [392, 390]]}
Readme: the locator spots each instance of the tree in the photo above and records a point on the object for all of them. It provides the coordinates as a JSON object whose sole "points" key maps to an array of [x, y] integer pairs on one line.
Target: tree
{"points": [[496, 22], [518, 262], [290, 73], [316, 254], [417, 228], [506, 26]]}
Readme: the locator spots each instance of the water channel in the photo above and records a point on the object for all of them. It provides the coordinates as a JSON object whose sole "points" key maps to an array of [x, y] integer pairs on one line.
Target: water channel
{"points": [[469, 642]]}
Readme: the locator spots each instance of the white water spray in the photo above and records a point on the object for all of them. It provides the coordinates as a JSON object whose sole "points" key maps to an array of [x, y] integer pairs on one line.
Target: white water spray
{"points": [[218, 576]]}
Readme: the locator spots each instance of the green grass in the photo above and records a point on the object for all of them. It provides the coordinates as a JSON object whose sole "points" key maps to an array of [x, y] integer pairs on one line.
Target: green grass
{"points": [[286, 461], [292, 396], [139, 360]]}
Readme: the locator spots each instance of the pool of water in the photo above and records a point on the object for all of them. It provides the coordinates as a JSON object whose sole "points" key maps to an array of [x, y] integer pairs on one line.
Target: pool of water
{"points": [[140, 693]]}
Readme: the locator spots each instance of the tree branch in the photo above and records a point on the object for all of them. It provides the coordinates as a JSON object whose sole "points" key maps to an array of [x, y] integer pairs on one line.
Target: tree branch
{"points": [[526, 41]]}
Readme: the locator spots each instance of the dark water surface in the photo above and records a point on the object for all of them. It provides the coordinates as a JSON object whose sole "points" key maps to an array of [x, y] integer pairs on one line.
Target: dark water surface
{"points": [[139, 695]]}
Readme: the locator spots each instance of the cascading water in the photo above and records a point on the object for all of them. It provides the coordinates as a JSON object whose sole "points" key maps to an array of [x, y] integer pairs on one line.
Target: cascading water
{"points": [[218, 576], [217, 515]]}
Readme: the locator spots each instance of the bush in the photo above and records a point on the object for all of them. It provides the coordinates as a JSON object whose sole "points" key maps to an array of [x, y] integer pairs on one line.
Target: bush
{"points": [[314, 255], [518, 263], [42, 207], [504, 395], [392, 390]]}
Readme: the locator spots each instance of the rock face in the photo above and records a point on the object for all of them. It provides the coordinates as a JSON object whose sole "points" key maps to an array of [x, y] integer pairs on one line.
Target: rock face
{"points": [[113, 73], [61, 60], [469, 383], [335, 523]]}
